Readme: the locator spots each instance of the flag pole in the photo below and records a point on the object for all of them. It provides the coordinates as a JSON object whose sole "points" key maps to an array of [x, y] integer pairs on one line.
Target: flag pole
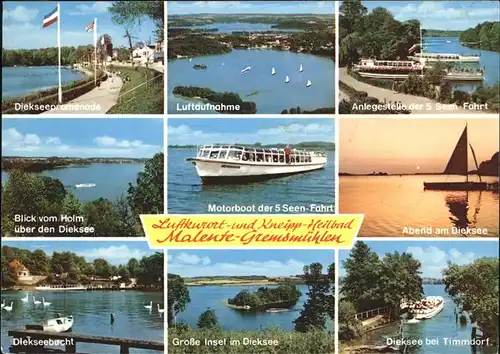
{"points": [[95, 51], [59, 49]]}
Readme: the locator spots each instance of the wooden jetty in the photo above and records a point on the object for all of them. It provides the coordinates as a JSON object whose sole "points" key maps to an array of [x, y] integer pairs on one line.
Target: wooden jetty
{"points": [[27, 336]]}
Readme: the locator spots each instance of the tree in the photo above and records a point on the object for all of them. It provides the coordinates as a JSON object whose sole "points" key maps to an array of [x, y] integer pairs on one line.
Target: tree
{"points": [[177, 296], [102, 267], [317, 307], [474, 288], [132, 13], [146, 197], [40, 263], [208, 320], [151, 270], [349, 327], [133, 267]]}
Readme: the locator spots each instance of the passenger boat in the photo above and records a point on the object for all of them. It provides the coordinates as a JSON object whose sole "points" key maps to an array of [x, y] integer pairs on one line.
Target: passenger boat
{"points": [[56, 325], [445, 57], [458, 165], [427, 308], [85, 185], [233, 164], [59, 288]]}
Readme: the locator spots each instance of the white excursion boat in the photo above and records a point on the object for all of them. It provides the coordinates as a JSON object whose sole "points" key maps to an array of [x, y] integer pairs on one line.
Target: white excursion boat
{"points": [[233, 164], [425, 308], [59, 288], [56, 325], [445, 57], [247, 69]]}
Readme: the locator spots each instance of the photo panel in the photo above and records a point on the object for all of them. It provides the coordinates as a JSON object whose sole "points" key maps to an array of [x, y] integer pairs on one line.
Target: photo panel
{"points": [[257, 57], [421, 177], [419, 57], [251, 165], [260, 301], [419, 297], [83, 296], [80, 177], [78, 57]]}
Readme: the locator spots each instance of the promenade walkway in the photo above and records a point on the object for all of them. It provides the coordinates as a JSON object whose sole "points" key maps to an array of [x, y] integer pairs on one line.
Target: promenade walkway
{"points": [[384, 95], [103, 97]]}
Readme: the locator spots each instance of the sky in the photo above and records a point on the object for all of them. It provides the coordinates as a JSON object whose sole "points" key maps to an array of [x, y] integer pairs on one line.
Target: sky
{"points": [[22, 24], [115, 253], [249, 131], [443, 15], [196, 263], [76, 137], [411, 145], [432, 254], [250, 7]]}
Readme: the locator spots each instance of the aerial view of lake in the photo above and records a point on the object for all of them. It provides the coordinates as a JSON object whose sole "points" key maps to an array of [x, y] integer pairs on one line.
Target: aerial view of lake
{"points": [[391, 203], [111, 180], [19, 81], [213, 297], [269, 92], [441, 326], [242, 27], [91, 312], [187, 195], [488, 60]]}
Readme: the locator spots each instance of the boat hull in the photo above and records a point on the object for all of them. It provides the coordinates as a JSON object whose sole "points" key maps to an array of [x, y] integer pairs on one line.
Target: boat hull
{"points": [[456, 186], [224, 172], [450, 77]]}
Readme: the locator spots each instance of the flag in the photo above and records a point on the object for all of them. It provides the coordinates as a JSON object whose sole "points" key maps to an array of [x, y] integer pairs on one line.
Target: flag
{"points": [[51, 18], [413, 48], [90, 27]]}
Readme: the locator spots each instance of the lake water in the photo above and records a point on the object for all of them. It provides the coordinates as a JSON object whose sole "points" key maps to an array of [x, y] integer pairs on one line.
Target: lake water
{"points": [[488, 60], [269, 92], [441, 326], [20, 81], [391, 203], [243, 27], [186, 194], [91, 312], [213, 297], [111, 180]]}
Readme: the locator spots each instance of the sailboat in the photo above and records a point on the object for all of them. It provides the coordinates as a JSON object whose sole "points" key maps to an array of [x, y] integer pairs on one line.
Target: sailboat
{"points": [[273, 72], [309, 83], [287, 80], [301, 68], [458, 165]]}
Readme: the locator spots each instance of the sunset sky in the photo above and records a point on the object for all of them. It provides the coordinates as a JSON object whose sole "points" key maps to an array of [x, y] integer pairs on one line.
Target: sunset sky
{"points": [[411, 145]]}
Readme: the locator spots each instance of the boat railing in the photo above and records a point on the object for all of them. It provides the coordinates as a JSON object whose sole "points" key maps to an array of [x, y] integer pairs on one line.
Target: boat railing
{"points": [[256, 154]]}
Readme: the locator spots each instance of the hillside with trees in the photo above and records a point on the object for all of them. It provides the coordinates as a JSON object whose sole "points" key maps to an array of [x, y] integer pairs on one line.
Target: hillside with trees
{"points": [[484, 36]]}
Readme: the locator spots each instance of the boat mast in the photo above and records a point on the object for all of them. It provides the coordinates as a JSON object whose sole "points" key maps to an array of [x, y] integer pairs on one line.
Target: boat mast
{"points": [[466, 154], [475, 161]]}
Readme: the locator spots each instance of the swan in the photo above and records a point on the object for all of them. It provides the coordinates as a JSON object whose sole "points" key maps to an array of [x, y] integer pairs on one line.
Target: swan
{"points": [[150, 306], [9, 308], [25, 299], [45, 303], [3, 303], [36, 302], [159, 309]]}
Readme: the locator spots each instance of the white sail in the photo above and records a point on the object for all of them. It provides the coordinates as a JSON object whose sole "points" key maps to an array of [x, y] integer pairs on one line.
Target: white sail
{"points": [[287, 79], [190, 59], [301, 68], [309, 83], [273, 71]]}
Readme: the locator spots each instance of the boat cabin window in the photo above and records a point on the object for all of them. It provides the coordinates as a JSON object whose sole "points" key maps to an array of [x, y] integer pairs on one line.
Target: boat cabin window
{"points": [[214, 154], [234, 155], [59, 322]]}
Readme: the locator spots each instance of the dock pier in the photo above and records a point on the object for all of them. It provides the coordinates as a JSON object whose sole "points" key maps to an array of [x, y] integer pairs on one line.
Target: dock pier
{"points": [[32, 341]]}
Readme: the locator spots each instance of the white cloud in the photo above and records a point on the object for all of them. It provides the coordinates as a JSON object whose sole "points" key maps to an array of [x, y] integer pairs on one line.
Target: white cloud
{"points": [[19, 14], [114, 254], [96, 7], [292, 134], [191, 265], [434, 260], [17, 143]]}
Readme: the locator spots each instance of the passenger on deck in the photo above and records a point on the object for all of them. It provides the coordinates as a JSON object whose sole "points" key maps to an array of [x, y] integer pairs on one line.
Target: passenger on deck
{"points": [[288, 152]]}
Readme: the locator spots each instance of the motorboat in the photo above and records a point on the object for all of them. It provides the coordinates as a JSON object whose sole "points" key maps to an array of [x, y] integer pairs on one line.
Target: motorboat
{"points": [[426, 308], [233, 164], [247, 69], [85, 185], [59, 324]]}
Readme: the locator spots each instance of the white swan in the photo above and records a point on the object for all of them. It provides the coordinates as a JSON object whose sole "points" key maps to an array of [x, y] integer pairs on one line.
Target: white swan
{"points": [[9, 308], [45, 303], [3, 303], [159, 309], [25, 299], [150, 306], [36, 302]]}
